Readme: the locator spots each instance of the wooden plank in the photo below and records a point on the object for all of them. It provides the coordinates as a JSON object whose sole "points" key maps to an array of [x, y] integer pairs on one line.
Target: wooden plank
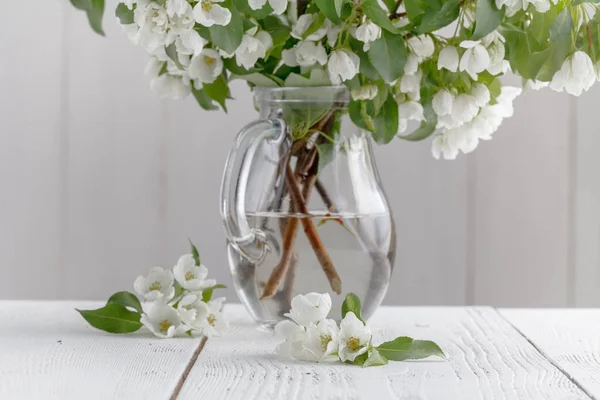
{"points": [[569, 338], [47, 351], [31, 147], [487, 359], [586, 197], [116, 163], [521, 207]]}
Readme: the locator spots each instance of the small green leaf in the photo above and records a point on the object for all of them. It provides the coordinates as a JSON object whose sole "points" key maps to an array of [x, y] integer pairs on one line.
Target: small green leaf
{"points": [[331, 9], [124, 14], [487, 18], [375, 359], [374, 11], [126, 299], [172, 53], [326, 151], [207, 293], [195, 253], [352, 304], [561, 27], [113, 318], [405, 348], [386, 121], [359, 360], [95, 12], [204, 100], [440, 18], [388, 56], [218, 91], [229, 37], [391, 5]]}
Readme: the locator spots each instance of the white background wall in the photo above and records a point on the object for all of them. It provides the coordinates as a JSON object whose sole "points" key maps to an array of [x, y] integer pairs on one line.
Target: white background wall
{"points": [[100, 180]]}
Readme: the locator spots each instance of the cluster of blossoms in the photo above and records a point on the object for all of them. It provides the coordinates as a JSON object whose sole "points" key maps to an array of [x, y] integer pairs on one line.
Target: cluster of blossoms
{"points": [[415, 69], [310, 336], [179, 302]]}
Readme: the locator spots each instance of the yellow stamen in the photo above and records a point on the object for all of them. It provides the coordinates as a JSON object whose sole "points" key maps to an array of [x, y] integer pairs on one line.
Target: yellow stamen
{"points": [[164, 326], [325, 339], [209, 61], [189, 276], [353, 343], [211, 319], [207, 6], [155, 286]]}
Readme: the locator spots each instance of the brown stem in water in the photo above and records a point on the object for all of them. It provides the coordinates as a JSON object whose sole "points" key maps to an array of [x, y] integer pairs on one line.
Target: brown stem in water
{"points": [[325, 196]]}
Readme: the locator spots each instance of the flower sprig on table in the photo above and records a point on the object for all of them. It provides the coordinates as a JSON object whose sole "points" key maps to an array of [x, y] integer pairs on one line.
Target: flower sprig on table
{"points": [[310, 336], [175, 302], [431, 68]]}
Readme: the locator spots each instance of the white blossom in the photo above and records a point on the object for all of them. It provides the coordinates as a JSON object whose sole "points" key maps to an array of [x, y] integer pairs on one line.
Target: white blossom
{"points": [[279, 6], [448, 59], [295, 336], [190, 43], [153, 21], [576, 75], [157, 285], [411, 110], [354, 338], [206, 66], [214, 323], [475, 59], [305, 54], [411, 83], [176, 7], [368, 32], [514, 6], [252, 48], [494, 44], [343, 65], [192, 310], [442, 102], [536, 85], [365, 92], [207, 13], [412, 64], [174, 87], [321, 341], [162, 320], [442, 146], [481, 93], [191, 276], [309, 309], [422, 46], [304, 22]]}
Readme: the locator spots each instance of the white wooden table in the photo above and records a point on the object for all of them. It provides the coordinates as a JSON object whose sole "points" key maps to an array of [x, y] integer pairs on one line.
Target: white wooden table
{"points": [[47, 351]]}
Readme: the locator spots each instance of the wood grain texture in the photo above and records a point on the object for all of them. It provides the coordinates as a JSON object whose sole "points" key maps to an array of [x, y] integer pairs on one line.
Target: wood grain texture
{"points": [[47, 351], [569, 338], [31, 149], [487, 359]]}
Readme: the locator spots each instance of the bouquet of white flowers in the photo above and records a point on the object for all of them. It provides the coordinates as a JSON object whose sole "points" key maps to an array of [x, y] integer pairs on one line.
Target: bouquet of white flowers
{"points": [[437, 63]]}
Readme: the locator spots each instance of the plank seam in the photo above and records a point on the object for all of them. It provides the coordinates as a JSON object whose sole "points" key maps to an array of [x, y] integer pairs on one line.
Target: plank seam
{"points": [[547, 357], [188, 369]]}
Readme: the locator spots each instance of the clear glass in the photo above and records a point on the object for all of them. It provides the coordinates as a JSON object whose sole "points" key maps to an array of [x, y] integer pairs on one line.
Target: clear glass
{"points": [[303, 206]]}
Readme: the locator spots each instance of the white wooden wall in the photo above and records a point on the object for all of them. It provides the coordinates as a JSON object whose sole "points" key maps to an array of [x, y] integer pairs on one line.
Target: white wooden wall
{"points": [[100, 180]]}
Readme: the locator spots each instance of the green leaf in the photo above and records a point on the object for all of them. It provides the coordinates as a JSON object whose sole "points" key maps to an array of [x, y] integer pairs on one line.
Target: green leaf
{"points": [[405, 348], [326, 151], [487, 18], [124, 14], [232, 66], [204, 99], [113, 318], [95, 12], [331, 9], [218, 91], [561, 27], [374, 11], [439, 18], [126, 299], [366, 68], [578, 2], [207, 293], [388, 56], [352, 304], [375, 359], [229, 37], [427, 128], [243, 6], [195, 253], [386, 121], [172, 53], [391, 5], [359, 360]]}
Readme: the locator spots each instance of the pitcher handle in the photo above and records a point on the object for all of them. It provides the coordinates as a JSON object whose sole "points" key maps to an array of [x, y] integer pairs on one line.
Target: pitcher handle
{"points": [[249, 242]]}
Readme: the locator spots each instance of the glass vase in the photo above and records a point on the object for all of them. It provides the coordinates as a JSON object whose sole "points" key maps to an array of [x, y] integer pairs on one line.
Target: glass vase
{"points": [[303, 206]]}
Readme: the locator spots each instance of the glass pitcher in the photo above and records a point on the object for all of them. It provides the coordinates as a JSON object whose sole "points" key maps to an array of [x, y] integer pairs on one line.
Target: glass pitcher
{"points": [[303, 206]]}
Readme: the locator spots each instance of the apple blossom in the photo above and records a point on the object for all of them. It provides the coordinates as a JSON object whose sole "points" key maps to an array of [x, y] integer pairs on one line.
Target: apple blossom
{"points": [[157, 285], [310, 308], [162, 320], [449, 59], [576, 75], [207, 13], [354, 338], [191, 276], [252, 48], [343, 65]]}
